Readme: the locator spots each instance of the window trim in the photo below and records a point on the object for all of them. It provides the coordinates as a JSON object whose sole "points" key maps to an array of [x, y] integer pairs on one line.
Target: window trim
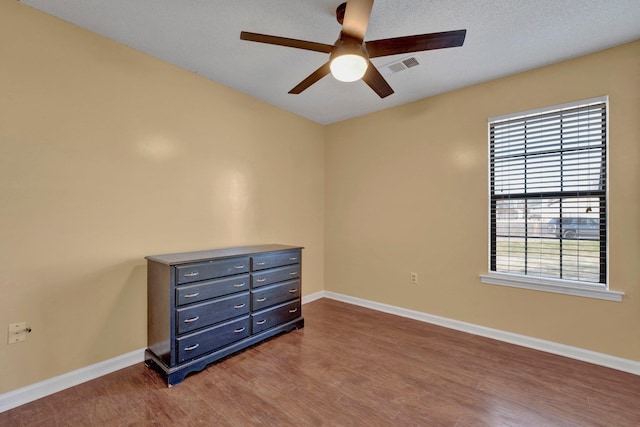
{"points": [[558, 286], [561, 286]]}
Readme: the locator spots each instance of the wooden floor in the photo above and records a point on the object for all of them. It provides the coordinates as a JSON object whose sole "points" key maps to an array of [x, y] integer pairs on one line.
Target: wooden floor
{"points": [[352, 366]]}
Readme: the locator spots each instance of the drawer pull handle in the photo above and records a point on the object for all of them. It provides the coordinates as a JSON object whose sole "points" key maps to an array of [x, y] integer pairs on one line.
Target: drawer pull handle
{"points": [[238, 285], [193, 295], [260, 263], [261, 299], [261, 280], [293, 310], [239, 305], [237, 331], [191, 347], [293, 258], [238, 267], [191, 319], [192, 274], [293, 273], [261, 322], [293, 291]]}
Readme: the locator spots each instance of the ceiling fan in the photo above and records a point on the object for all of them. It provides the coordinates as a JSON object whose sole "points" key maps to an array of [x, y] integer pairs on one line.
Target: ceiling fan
{"points": [[349, 56]]}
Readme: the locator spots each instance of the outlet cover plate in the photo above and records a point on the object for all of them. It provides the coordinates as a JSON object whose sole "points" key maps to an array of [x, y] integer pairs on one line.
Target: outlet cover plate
{"points": [[17, 332]]}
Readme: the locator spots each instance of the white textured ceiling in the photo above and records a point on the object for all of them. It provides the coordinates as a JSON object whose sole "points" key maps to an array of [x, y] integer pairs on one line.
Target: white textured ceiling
{"points": [[503, 37]]}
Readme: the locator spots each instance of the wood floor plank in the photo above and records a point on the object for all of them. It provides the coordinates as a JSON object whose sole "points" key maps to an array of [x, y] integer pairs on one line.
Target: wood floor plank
{"points": [[351, 366]]}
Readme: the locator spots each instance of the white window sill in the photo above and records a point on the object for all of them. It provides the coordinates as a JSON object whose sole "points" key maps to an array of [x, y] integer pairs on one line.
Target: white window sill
{"points": [[566, 287]]}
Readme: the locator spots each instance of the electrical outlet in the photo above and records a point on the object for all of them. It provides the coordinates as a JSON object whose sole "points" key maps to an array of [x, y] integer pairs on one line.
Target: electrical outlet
{"points": [[16, 328], [17, 332], [414, 277]]}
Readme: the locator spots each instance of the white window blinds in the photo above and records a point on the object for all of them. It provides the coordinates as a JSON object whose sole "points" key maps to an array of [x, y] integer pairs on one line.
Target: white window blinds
{"points": [[548, 177]]}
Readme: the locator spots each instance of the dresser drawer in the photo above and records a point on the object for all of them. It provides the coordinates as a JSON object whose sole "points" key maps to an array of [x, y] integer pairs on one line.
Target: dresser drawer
{"points": [[275, 275], [188, 273], [198, 343], [266, 319], [275, 294], [211, 289], [200, 315], [262, 262]]}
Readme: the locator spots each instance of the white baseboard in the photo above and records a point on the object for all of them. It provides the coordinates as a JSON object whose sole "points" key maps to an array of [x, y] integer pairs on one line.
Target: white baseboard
{"points": [[625, 365], [310, 298], [36, 391], [44, 388]]}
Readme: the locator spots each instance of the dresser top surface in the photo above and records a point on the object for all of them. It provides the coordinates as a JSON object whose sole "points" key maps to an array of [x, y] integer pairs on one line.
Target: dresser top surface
{"points": [[185, 257]]}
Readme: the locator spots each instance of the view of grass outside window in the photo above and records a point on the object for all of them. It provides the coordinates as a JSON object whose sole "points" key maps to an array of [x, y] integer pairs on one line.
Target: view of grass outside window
{"points": [[548, 194]]}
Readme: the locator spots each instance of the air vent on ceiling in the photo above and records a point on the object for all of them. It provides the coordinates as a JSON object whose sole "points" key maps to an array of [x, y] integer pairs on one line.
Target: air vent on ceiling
{"points": [[403, 64], [410, 62]]}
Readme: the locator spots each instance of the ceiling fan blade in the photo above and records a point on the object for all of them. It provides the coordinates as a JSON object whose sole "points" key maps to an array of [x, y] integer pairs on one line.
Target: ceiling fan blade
{"points": [[374, 79], [418, 43], [313, 77], [356, 18], [283, 41]]}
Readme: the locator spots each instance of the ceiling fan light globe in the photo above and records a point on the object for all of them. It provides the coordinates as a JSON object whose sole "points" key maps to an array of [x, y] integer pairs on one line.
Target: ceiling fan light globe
{"points": [[348, 67]]}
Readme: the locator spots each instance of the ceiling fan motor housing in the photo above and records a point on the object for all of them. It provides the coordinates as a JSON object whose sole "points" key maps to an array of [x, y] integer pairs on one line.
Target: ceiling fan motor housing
{"points": [[346, 45], [340, 12]]}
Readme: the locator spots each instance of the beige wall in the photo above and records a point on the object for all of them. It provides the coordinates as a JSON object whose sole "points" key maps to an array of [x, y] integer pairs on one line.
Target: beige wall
{"points": [[108, 155], [406, 190]]}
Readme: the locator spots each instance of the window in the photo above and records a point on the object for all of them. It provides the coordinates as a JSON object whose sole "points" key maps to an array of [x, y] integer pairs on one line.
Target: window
{"points": [[548, 199]]}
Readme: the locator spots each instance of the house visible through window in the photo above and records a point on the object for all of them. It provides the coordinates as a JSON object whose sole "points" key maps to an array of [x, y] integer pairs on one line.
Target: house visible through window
{"points": [[548, 194]]}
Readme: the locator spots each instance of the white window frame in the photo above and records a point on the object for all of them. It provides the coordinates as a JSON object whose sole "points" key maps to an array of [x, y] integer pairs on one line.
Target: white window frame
{"points": [[561, 286]]}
